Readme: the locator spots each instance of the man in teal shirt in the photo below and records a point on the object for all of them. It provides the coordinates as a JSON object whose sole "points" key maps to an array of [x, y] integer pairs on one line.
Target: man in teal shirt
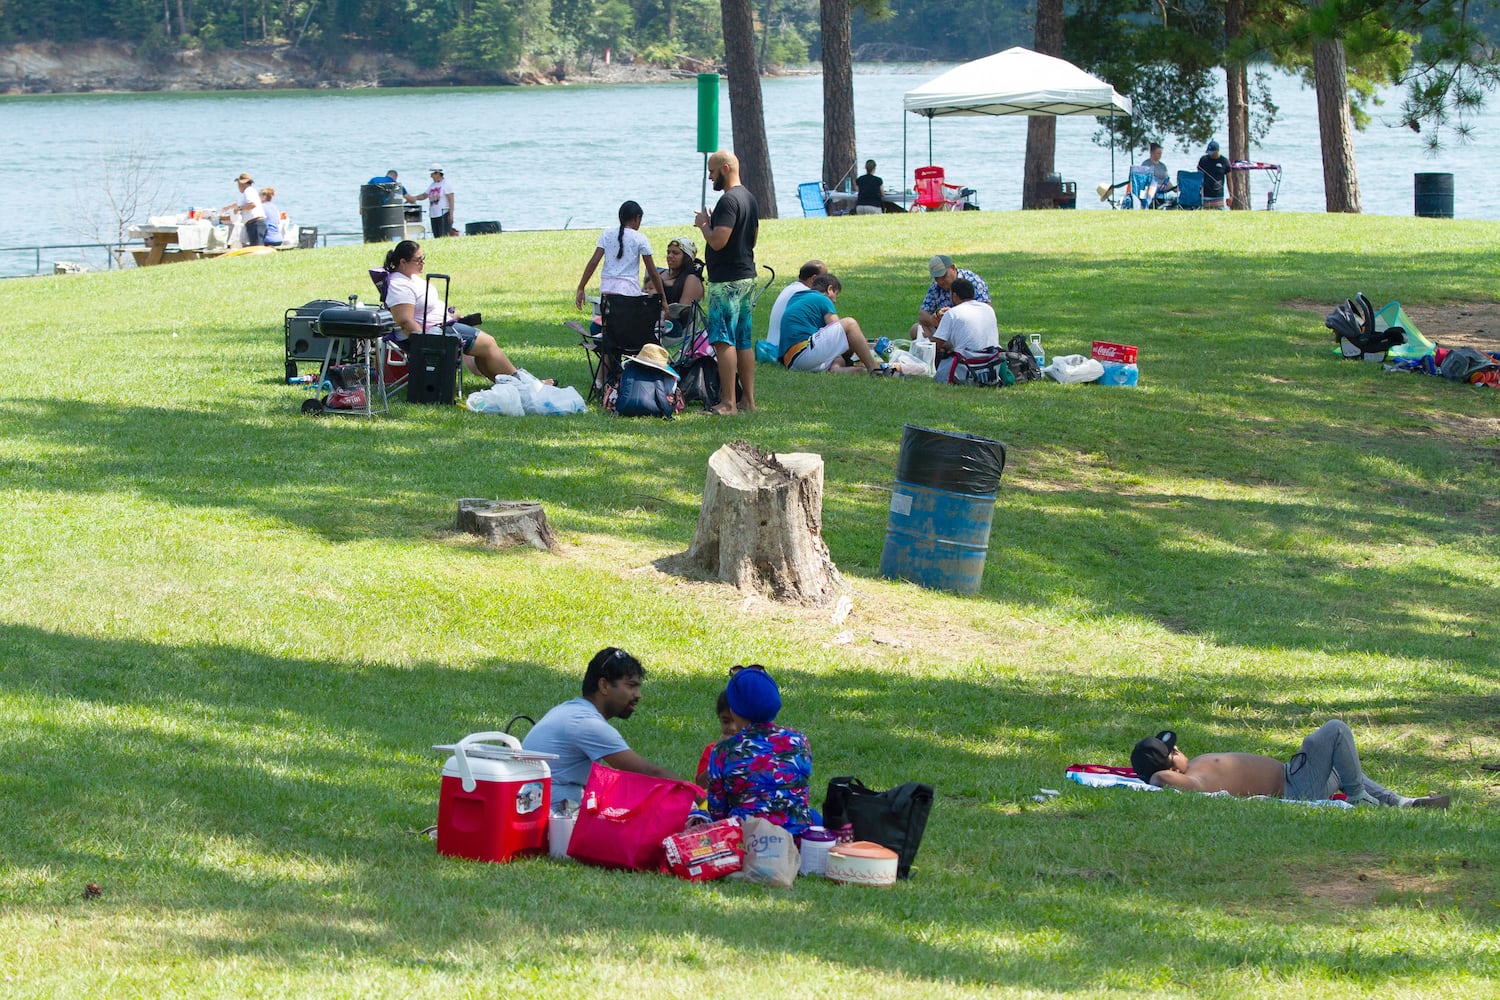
{"points": [[815, 339]]}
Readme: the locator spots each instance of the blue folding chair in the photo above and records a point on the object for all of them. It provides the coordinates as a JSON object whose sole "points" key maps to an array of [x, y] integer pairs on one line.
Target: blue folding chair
{"points": [[811, 195], [1140, 183], [1189, 189]]}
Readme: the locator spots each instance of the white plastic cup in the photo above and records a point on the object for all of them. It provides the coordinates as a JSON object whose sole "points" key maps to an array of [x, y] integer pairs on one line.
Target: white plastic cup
{"points": [[559, 832]]}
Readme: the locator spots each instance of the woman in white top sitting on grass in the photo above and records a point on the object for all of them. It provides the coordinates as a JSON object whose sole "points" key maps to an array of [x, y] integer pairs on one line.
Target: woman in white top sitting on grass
{"points": [[416, 310], [623, 250]]}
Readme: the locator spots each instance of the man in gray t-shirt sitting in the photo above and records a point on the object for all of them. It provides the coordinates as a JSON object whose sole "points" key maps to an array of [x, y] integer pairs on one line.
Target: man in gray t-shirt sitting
{"points": [[578, 730]]}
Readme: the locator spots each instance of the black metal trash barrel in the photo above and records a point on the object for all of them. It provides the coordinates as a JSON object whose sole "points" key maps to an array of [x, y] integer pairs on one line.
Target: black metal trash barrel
{"points": [[384, 212], [1434, 196]]}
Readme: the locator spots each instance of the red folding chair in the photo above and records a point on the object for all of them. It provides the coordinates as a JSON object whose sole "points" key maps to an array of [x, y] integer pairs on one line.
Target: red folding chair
{"points": [[928, 189]]}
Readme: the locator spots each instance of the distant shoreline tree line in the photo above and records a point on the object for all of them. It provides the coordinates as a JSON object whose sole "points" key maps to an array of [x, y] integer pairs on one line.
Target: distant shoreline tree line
{"points": [[502, 35]]}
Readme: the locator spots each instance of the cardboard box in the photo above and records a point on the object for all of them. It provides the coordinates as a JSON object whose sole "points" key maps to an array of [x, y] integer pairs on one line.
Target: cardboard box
{"points": [[1120, 353]]}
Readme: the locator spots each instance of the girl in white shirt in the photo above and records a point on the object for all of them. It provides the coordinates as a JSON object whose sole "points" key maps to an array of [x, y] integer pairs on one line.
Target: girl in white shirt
{"points": [[623, 250]]}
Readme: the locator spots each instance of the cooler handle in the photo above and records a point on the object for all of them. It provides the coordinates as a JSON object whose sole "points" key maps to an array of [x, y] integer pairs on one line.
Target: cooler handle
{"points": [[463, 761]]}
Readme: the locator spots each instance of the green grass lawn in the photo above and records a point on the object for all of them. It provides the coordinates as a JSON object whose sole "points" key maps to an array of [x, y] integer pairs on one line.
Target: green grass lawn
{"points": [[230, 633]]}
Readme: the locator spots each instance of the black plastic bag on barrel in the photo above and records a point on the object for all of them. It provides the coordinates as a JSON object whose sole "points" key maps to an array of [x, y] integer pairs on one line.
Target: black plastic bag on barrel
{"points": [[948, 460]]}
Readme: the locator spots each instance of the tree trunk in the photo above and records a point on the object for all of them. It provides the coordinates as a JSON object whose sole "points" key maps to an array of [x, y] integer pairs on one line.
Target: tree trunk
{"points": [[760, 526], [1237, 91], [1041, 130], [745, 108], [1340, 182], [839, 150], [504, 523]]}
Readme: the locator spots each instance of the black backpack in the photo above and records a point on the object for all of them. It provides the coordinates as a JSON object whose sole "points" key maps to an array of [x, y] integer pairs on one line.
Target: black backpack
{"points": [[698, 381], [1353, 326], [1022, 362]]}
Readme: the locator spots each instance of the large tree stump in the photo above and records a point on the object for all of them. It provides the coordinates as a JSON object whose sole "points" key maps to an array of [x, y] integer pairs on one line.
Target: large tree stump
{"points": [[504, 523], [761, 526]]}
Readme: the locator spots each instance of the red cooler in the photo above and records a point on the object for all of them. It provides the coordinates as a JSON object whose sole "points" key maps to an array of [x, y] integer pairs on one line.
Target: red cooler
{"points": [[495, 799]]}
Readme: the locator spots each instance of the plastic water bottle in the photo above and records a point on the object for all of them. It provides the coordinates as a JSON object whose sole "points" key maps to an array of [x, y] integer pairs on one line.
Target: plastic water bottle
{"points": [[1034, 343]]}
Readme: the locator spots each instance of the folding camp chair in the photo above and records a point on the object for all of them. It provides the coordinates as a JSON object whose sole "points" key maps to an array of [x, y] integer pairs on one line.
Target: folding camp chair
{"points": [[1189, 189], [811, 196], [1136, 195], [630, 323]]}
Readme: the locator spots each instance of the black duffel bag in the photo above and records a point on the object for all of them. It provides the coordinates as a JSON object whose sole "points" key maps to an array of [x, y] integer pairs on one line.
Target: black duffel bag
{"points": [[894, 819]]}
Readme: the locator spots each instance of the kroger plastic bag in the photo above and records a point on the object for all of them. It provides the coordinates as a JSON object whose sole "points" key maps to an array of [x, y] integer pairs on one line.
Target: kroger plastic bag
{"points": [[771, 855], [1074, 368], [501, 398]]}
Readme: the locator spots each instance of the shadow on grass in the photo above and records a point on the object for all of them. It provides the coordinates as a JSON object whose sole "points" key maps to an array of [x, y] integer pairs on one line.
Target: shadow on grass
{"points": [[1241, 553], [282, 794]]}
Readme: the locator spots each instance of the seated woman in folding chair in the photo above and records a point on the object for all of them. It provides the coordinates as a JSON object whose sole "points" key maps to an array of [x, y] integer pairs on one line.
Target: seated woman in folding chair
{"points": [[683, 280], [407, 294]]}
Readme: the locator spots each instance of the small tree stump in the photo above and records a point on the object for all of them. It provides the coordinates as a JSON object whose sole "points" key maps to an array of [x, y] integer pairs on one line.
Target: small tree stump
{"points": [[504, 523], [761, 526]]}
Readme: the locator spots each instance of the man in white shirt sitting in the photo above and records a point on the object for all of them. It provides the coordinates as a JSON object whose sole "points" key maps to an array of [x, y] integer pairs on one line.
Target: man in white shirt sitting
{"points": [[809, 271], [968, 328]]}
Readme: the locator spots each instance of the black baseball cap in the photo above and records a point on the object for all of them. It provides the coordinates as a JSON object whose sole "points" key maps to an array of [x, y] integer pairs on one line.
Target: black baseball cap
{"points": [[1152, 754]]}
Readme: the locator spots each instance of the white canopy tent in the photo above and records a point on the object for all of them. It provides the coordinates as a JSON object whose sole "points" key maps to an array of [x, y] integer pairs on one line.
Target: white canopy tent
{"points": [[1017, 81]]}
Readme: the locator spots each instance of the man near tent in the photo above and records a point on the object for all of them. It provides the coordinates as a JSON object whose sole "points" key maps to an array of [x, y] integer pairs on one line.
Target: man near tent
{"points": [[729, 236], [1214, 169], [809, 271], [579, 733], [939, 297]]}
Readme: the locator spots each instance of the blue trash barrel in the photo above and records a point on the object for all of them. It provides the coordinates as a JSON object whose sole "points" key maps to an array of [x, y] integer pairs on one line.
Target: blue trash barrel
{"points": [[1433, 196], [941, 507]]}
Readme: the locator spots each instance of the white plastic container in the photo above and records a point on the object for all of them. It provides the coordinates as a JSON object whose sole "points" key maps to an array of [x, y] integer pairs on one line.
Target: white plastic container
{"points": [[1034, 343], [816, 843], [861, 863]]}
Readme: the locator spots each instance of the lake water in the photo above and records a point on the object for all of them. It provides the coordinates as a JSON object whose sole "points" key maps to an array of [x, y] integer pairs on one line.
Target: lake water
{"points": [[565, 157]]}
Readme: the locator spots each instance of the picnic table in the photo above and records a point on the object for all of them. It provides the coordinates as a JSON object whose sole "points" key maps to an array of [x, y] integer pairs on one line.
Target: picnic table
{"points": [[168, 241]]}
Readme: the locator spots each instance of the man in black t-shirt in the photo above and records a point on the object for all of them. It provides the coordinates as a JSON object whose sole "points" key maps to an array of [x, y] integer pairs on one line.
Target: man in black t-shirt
{"points": [[729, 237], [871, 200], [1214, 169]]}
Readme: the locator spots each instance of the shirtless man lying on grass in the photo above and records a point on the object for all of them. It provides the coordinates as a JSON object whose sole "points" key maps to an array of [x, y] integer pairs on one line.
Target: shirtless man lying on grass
{"points": [[1327, 763]]}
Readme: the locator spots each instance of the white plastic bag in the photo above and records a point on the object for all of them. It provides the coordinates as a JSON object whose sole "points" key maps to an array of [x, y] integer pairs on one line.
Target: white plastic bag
{"points": [[501, 398], [548, 400], [1074, 368]]}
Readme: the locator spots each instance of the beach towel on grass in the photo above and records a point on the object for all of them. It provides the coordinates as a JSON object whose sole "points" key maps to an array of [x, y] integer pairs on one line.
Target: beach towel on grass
{"points": [[1104, 776]]}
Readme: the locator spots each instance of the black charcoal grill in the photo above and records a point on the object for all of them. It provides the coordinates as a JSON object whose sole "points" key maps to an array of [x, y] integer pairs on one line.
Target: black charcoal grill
{"points": [[352, 332]]}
